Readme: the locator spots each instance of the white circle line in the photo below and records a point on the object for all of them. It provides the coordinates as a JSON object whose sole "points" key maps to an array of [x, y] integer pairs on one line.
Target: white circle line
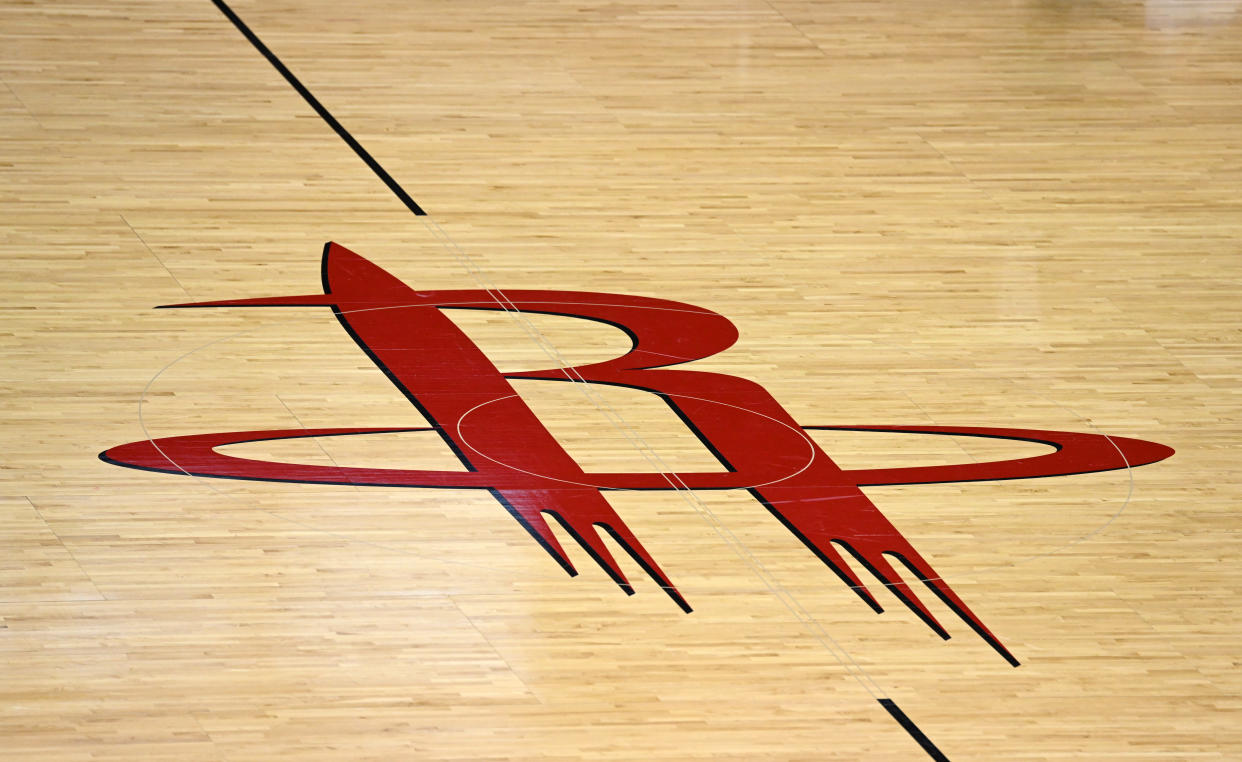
{"points": [[799, 432]]}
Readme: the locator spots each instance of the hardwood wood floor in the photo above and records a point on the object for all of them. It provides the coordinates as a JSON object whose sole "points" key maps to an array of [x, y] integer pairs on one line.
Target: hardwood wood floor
{"points": [[1020, 216]]}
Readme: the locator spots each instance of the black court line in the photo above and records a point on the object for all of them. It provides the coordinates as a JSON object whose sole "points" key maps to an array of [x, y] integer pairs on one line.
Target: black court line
{"points": [[323, 113], [413, 206], [913, 730]]}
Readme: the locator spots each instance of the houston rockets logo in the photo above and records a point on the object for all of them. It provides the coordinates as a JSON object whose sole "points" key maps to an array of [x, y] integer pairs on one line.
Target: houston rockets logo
{"points": [[507, 451]]}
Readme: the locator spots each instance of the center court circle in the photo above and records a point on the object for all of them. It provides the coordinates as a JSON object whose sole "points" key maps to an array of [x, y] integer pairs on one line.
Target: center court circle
{"points": [[636, 439]]}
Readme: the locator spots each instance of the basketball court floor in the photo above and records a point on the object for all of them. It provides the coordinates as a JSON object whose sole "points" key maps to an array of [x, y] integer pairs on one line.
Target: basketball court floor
{"points": [[900, 361]]}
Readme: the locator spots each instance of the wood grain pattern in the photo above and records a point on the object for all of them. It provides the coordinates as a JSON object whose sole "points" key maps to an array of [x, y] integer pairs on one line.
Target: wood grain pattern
{"points": [[1025, 215]]}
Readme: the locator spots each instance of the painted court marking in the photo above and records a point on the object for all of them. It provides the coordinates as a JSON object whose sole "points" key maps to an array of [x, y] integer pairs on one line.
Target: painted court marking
{"points": [[683, 484]]}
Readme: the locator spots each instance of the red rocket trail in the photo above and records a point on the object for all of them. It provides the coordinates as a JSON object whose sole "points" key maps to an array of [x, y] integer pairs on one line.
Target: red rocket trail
{"points": [[475, 409]]}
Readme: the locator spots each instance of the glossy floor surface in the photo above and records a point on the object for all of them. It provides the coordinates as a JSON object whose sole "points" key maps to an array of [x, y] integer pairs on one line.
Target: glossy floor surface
{"points": [[1021, 215]]}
